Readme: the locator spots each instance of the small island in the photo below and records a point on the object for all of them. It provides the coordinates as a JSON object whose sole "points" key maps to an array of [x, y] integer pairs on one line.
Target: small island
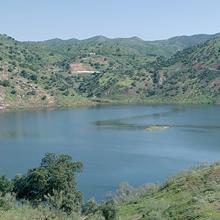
{"points": [[157, 127]]}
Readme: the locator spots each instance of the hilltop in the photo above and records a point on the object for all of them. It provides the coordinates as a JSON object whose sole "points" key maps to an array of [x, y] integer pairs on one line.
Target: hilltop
{"points": [[82, 72]]}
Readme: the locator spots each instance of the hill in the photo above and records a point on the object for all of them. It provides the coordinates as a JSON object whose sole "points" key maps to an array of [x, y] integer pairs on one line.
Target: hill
{"points": [[158, 47], [190, 195], [183, 42], [191, 75], [81, 72], [31, 76]]}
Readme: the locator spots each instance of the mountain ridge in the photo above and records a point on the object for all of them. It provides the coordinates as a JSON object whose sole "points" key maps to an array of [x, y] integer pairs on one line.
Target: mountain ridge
{"points": [[217, 34]]}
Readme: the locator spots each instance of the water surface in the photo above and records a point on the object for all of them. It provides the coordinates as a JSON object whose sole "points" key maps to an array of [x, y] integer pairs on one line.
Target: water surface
{"points": [[112, 142]]}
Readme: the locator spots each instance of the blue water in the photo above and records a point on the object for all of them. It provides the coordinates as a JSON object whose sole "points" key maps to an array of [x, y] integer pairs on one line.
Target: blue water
{"points": [[112, 142]]}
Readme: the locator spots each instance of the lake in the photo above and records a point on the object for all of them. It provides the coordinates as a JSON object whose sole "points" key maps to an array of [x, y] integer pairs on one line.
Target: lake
{"points": [[113, 142]]}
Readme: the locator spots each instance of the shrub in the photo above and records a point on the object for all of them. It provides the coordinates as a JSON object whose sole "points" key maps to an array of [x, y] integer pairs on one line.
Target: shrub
{"points": [[13, 92], [66, 93], [109, 210], [90, 207], [44, 97], [7, 201], [127, 193], [24, 74], [5, 185], [4, 83], [58, 201], [33, 77], [31, 92]]}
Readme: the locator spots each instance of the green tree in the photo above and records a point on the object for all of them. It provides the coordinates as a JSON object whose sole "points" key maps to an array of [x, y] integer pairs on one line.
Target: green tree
{"points": [[56, 173]]}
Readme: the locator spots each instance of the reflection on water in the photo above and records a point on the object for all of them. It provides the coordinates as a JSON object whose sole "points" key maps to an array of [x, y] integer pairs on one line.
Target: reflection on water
{"points": [[112, 141], [125, 120], [14, 134]]}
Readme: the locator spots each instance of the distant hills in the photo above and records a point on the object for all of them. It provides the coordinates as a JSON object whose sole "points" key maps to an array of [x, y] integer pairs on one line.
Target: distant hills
{"points": [[182, 69], [158, 47]]}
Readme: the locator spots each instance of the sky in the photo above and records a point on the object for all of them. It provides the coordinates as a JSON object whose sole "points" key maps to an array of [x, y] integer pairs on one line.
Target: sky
{"points": [[37, 20]]}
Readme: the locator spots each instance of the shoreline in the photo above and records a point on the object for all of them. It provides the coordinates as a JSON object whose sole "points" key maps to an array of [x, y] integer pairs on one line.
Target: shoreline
{"points": [[100, 102]]}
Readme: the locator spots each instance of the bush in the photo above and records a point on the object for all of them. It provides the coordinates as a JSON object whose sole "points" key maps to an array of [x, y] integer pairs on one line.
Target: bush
{"points": [[44, 97], [31, 92], [127, 193], [109, 210], [90, 207], [5, 185], [4, 83], [27, 75], [13, 92], [59, 201], [7, 201], [33, 77], [24, 74], [66, 93]]}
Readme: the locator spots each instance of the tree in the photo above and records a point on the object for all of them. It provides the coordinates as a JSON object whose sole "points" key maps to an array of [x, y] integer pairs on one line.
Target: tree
{"points": [[56, 174]]}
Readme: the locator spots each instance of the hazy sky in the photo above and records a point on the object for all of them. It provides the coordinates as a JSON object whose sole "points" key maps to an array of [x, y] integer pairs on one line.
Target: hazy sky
{"points": [[148, 19]]}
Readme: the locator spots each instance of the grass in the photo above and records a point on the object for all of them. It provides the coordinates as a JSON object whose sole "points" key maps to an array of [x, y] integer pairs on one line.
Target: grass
{"points": [[125, 83], [190, 195], [26, 212], [73, 101]]}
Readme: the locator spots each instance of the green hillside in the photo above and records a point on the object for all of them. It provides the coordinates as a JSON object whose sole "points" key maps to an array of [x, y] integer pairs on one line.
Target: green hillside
{"points": [[38, 194], [190, 75], [190, 195], [34, 74]]}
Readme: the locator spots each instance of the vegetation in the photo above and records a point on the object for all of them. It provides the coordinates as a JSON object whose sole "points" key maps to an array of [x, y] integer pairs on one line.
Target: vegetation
{"points": [[157, 127], [55, 178], [181, 69], [191, 194], [49, 192]]}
